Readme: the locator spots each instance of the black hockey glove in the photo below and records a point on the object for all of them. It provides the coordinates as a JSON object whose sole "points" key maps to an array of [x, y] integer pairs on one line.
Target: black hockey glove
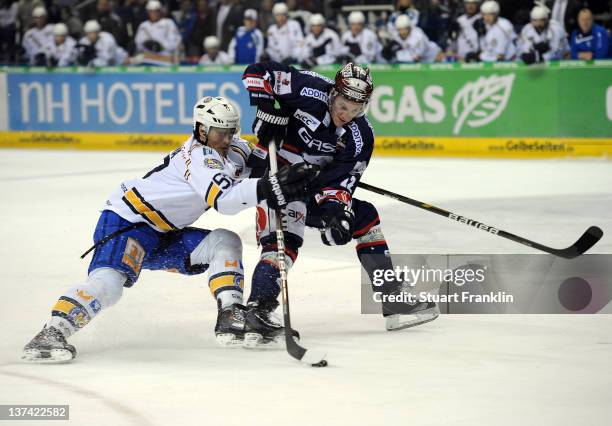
{"points": [[542, 47], [529, 57], [480, 27], [270, 124], [339, 222], [152, 46], [291, 183]]}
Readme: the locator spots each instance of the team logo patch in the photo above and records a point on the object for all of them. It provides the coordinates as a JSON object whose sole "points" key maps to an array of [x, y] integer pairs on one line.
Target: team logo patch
{"points": [[311, 122], [79, 316], [133, 255], [282, 82], [213, 163], [95, 306]]}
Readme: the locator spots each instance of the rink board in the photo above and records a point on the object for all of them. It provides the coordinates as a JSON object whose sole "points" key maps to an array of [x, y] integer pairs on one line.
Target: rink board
{"points": [[521, 148], [503, 110]]}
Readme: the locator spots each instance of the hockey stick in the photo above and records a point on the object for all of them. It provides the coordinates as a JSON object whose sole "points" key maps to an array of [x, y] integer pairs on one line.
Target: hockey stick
{"points": [[585, 242], [315, 359]]}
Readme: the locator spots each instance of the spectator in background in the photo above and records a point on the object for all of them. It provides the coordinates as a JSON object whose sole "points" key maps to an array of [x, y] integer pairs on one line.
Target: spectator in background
{"points": [[403, 7], [132, 14], [300, 15], [36, 39], [285, 38], [322, 45], [110, 22], [266, 17], [360, 44], [410, 44], [62, 51], [214, 55], [589, 41], [466, 31], [185, 18], [8, 30], [565, 13], [158, 35], [24, 12], [229, 18], [542, 40], [99, 48], [203, 27], [69, 16], [498, 43], [247, 46]]}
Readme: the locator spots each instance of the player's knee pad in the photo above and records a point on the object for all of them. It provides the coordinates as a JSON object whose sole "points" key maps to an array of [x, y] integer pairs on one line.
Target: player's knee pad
{"points": [[366, 218], [219, 248], [294, 221], [106, 284]]}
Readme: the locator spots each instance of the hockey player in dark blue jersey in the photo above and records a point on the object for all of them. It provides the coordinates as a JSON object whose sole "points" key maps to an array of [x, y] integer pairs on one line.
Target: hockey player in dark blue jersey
{"points": [[322, 122]]}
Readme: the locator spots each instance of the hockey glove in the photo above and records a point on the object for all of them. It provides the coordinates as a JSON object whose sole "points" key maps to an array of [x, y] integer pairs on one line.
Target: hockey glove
{"points": [[338, 221], [480, 27], [270, 124], [472, 57], [291, 183], [542, 47], [152, 46]]}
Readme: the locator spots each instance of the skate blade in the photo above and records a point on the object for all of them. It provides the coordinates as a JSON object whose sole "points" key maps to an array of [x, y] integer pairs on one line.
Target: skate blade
{"points": [[396, 322], [257, 341], [228, 340], [53, 356]]}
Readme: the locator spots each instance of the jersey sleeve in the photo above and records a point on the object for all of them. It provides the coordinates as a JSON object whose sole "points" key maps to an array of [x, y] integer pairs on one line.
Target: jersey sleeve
{"points": [[339, 180], [270, 81], [216, 187]]}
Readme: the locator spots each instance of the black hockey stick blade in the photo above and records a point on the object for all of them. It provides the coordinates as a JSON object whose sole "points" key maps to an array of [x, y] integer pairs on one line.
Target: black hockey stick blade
{"points": [[587, 240], [310, 357]]}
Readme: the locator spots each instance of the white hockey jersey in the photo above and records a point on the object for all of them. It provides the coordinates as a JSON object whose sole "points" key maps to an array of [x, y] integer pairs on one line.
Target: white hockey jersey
{"points": [[499, 41], [107, 50], [325, 49], [64, 54], [163, 31], [416, 47], [36, 40], [222, 58], [191, 180], [364, 46], [467, 40], [554, 34], [286, 41]]}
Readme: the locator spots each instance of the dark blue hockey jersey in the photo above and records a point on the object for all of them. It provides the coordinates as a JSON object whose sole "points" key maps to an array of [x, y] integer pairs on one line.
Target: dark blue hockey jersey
{"points": [[343, 152]]}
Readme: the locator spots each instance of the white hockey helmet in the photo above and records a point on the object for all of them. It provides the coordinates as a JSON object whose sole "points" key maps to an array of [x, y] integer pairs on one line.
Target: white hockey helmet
{"points": [[280, 9], [316, 19], [91, 26], [60, 29], [39, 12], [211, 42], [471, 1], [215, 112], [356, 17], [250, 14], [539, 12], [153, 5], [490, 7], [403, 21]]}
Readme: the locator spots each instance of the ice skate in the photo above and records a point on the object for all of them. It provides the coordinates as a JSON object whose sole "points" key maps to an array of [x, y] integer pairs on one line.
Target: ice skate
{"points": [[229, 329], [263, 328], [420, 313], [49, 346]]}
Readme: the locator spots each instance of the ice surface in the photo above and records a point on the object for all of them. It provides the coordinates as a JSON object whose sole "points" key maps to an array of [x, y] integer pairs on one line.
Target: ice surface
{"points": [[152, 359]]}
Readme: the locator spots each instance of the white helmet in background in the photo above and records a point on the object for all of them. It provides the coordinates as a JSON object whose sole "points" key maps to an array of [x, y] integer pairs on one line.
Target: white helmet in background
{"points": [[356, 17], [280, 9], [211, 42], [316, 19], [403, 21], [39, 12], [60, 29], [490, 7], [215, 112], [539, 12], [91, 26], [153, 5]]}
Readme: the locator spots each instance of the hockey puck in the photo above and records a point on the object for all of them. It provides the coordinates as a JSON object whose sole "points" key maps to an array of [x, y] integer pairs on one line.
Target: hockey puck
{"points": [[321, 363]]}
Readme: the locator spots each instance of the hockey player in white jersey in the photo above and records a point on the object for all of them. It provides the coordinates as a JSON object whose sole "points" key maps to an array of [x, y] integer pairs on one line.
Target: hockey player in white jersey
{"points": [[285, 37], [404, 7], [214, 55], [37, 38], [360, 43], [542, 39], [499, 42], [99, 48], [465, 33], [144, 224], [62, 51], [322, 45], [410, 44], [158, 35]]}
